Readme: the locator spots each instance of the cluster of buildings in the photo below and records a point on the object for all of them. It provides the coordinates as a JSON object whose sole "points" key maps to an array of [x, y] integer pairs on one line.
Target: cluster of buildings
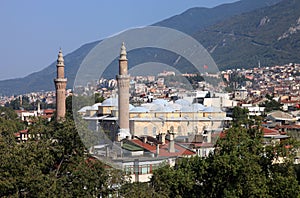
{"points": [[281, 82], [255, 89], [169, 119], [47, 97], [146, 123], [161, 129]]}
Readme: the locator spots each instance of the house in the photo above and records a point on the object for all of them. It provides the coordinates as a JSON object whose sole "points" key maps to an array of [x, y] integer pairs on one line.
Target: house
{"points": [[139, 156]]}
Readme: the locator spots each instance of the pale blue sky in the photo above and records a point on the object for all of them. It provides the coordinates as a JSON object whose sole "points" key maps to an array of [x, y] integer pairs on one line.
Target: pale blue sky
{"points": [[32, 31]]}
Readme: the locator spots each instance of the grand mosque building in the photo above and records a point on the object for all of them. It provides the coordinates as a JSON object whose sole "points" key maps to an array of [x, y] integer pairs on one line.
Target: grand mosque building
{"points": [[180, 118], [143, 137]]}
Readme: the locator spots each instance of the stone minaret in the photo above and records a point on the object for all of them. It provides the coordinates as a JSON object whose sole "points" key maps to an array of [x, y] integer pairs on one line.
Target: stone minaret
{"points": [[60, 86], [123, 88]]}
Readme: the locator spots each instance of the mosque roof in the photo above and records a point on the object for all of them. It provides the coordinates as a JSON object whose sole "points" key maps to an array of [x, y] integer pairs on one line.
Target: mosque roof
{"points": [[187, 109], [212, 109], [160, 101], [164, 109], [84, 109], [139, 110], [110, 102], [175, 106], [95, 106], [198, 107], [131, 106], [183, 102]]}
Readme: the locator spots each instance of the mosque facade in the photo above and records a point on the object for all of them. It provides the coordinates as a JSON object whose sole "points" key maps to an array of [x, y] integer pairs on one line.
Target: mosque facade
{"points": [[181, 117]]}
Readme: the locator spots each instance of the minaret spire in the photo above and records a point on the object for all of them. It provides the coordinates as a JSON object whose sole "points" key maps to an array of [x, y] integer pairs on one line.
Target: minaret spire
{"points": [[123, 52], [60, 86], [123, 89]]}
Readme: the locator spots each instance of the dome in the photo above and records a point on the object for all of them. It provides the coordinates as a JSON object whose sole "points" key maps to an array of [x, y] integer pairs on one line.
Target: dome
{"points": [[160, 102], [110, 102], [166, 109], [131, 106], [193, 108], [183, 102], [175, 106], [187, 109], [162, 108], [139, 110], [95, 106], [197, 107], [84, 109], [212, 109]]}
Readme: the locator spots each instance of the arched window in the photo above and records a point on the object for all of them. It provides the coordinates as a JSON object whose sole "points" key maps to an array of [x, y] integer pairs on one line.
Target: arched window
{"points": [[171, 129], [154, 131], [145, 130], [179, 129]]}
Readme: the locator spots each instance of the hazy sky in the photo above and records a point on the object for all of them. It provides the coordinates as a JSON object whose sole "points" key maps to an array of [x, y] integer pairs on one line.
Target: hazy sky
{"points": [[32, 31]]}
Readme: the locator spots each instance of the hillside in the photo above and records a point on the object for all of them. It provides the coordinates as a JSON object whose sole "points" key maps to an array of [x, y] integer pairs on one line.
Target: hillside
{"points": [[269, 35], [43, 80], [195, 19], [191, 22]]}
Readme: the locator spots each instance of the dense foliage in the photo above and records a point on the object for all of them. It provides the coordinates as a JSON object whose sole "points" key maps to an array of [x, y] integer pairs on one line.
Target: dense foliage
{"points": [[52, 163], [241, 166], [55, 163]]}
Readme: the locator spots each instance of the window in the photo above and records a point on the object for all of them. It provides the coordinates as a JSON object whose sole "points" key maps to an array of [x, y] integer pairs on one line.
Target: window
{"points": [[142, 169], [129, 170], [154, 131], [145, 169], [145, 130], [171, 129], [179, 129]]}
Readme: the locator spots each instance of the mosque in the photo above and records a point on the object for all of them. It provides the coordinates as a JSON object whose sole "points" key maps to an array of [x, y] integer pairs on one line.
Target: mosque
{"points": [[144, 137], [181, 117]]}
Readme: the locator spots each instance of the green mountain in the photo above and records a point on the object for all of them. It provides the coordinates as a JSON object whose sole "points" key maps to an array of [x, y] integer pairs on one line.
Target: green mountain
{"points": [[198, 22], [270, 35], [196, 19]]}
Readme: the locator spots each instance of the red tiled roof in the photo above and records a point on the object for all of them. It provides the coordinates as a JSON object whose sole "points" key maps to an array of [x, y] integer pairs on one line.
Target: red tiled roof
{"points": [[268, 131], [46, 116], [49, 110], [198, 145], [290, 101], [164, 149], [146, 146], [288, 127], [24, 131], [222, 134], [17, 134]]}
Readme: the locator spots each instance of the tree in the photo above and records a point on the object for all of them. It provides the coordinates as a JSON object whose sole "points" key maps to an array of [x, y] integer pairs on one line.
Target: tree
{"points": [[137, 189], [98, 98], [234, 169], [241, 166], [52, 163], [271, 104], [240, 116]]}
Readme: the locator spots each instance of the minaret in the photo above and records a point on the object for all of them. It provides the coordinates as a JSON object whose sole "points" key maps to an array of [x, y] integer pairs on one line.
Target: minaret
{"points": [[60, 86], [123, 88]]}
